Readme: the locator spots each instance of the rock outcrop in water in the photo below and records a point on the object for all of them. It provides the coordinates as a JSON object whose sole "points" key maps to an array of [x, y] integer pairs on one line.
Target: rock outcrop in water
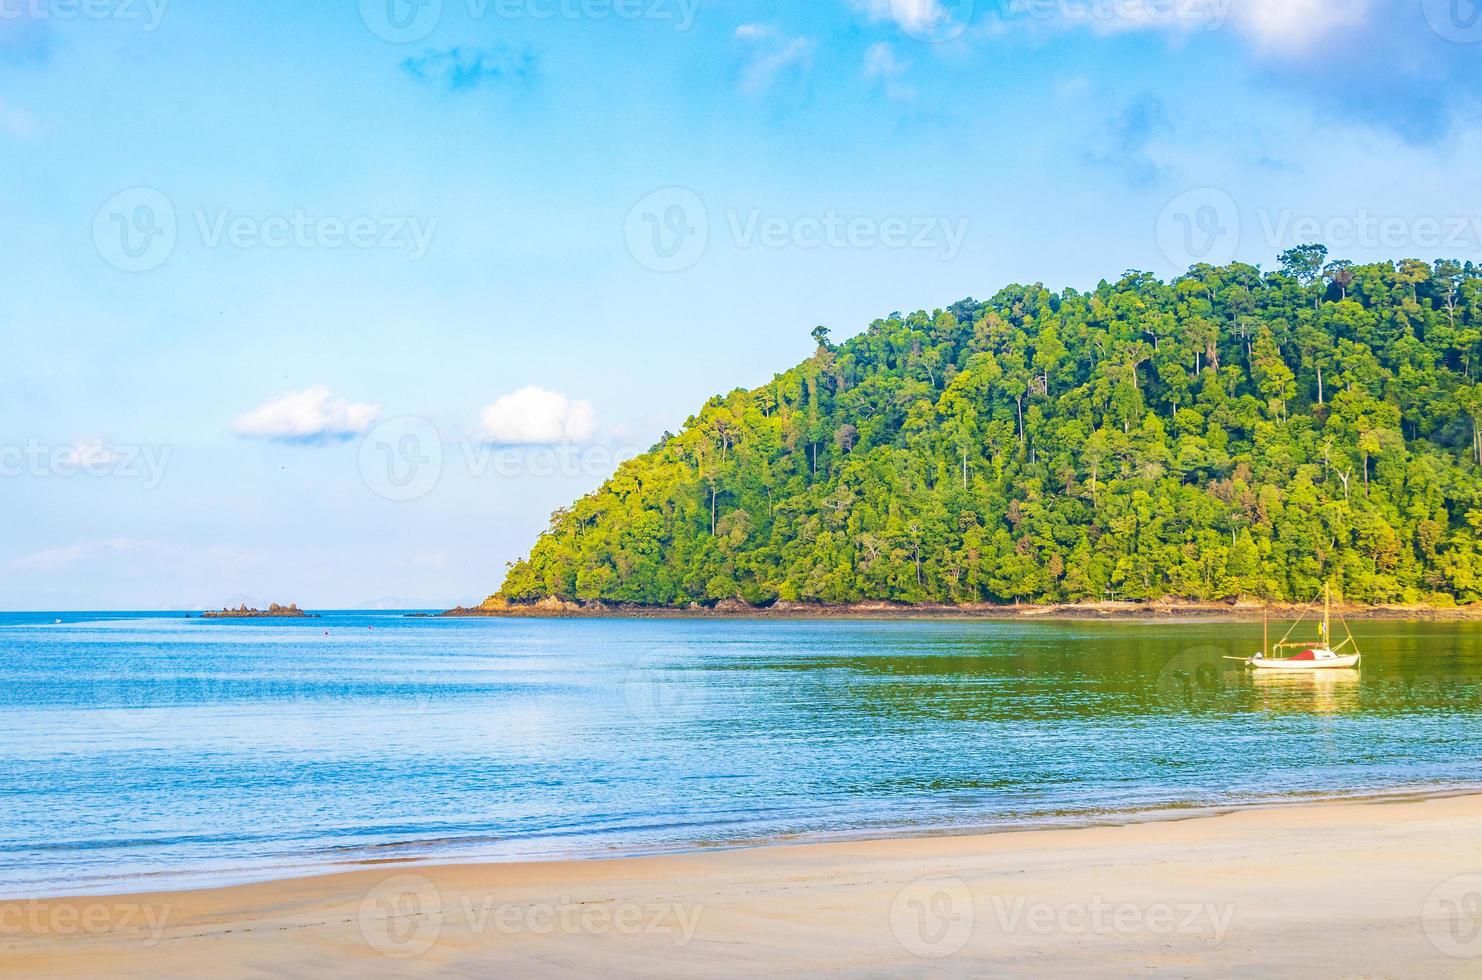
{"points": [[274, 611]]}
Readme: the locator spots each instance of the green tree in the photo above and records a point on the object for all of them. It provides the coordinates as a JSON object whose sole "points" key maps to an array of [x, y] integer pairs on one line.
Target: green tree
{"points": [[1217, 436]]}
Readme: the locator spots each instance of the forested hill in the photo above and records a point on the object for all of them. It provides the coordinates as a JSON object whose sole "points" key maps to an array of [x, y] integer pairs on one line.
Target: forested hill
{"points": [[1231, 433]]}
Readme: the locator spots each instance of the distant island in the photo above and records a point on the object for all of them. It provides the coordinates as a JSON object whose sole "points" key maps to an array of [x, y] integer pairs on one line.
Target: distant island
{"points": [[274, 611], [1234, 435]]}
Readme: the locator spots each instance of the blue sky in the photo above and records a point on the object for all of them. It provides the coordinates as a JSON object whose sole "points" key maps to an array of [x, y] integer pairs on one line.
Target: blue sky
{"points": [[336, 302]]}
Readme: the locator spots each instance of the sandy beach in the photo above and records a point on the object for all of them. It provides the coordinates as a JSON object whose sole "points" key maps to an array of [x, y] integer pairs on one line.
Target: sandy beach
{"points": [[1369, 889]]}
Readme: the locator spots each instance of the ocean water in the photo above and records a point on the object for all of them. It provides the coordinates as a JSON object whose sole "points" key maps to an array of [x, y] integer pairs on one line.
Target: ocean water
{"points": [[147, 751]]}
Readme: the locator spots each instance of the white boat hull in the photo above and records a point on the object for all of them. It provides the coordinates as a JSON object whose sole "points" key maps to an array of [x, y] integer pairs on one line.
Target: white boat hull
{"points": [[1329, 663]]}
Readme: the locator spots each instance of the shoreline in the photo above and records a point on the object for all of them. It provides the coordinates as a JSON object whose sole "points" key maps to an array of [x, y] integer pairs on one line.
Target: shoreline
{"points": [[172, 882], [1373, 881], [1162, 612]]}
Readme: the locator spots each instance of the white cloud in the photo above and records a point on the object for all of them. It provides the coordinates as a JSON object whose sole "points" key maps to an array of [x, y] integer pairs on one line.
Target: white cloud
{"points": [[772, 54], [914, 15], [17, 122], [908, 13], [882, 66], [755, 32], [880, 62], [51, 559], [89, 455], [1274, 26], [534, 416], [1293, 26], [310, 415]]}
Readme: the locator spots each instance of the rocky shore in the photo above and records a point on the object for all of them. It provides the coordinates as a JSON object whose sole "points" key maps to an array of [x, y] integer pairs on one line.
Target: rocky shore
{"points": [[1242, 610]]}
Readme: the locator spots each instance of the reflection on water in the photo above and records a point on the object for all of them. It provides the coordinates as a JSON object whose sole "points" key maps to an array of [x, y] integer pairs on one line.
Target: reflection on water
{"points": [[1318, 691], [138, 746]]}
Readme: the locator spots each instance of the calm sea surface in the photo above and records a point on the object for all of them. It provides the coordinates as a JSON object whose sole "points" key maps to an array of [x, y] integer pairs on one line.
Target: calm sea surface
{"points": [[145, 751]]}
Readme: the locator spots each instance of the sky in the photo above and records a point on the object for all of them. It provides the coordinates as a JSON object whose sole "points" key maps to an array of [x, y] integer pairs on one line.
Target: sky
{"points": [[336, 302]]}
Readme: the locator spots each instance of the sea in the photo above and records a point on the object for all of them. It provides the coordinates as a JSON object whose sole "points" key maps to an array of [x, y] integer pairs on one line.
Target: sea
{"points": [[146, 751]]}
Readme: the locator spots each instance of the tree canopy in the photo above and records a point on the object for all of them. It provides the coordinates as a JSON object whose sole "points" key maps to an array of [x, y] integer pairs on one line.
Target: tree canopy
{"points": [[1231, 433]]}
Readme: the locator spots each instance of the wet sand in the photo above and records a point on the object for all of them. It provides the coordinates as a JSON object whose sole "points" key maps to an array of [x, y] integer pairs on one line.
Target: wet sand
{"points": [[1332, 889]]}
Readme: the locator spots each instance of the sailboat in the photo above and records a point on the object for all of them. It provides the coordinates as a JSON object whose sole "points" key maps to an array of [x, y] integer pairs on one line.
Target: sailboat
{"points": [[1321, 655]]}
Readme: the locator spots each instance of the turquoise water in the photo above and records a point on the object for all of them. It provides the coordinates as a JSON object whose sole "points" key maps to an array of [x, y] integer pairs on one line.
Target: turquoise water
{"points": [[143, 751]]}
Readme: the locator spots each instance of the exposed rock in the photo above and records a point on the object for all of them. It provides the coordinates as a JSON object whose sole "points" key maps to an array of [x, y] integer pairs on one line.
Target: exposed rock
{"points": [[274, 611]]}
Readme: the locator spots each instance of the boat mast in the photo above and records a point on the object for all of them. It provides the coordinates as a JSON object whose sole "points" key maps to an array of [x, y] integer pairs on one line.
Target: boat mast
{"points": [[1327, 602]]}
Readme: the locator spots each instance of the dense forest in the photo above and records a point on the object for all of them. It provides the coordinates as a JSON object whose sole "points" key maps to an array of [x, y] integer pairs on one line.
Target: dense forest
{"points": [[1232, 433]]}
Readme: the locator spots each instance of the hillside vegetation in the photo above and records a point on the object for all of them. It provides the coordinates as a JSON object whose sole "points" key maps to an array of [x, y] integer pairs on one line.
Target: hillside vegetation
{"points": [[1231, 433]]}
